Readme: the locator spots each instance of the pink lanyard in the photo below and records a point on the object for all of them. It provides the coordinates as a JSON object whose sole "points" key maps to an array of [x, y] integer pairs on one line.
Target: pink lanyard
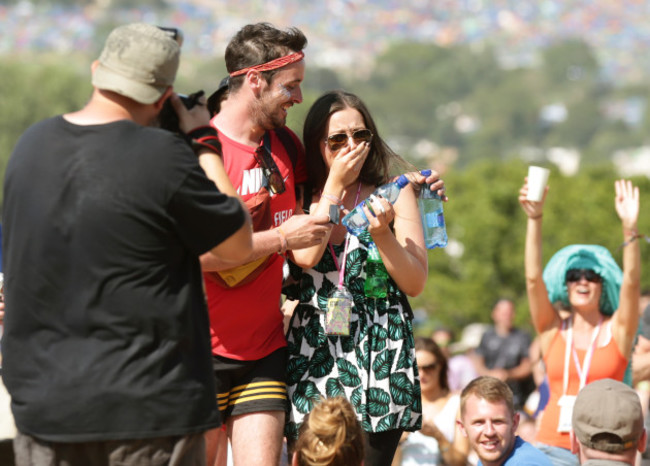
{"points": [[345, 248]]}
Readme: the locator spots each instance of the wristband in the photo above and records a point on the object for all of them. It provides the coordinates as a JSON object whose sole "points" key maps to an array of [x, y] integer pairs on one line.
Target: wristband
{"points": [[205, 137], [283, 241], [331, 197], [632, 233], [633, 239]]}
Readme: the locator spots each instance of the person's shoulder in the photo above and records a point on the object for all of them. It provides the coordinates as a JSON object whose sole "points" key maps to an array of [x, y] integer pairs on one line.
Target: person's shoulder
{"points": [[290, 141], [163, 140], [453, 401], [288, 131], [604, 462], [159, 134], [46, 124], [525, 453], [490, 332], [520, 333], [37, 132]]}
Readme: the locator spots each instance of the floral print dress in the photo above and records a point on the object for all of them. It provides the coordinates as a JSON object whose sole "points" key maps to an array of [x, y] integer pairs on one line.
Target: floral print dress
{"points": [[374, 367]]}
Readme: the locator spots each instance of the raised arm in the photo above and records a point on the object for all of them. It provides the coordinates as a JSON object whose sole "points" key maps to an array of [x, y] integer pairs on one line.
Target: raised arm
{"points": [[239, 244], [626, 319], [403, 253], [545, 318], [343, 173]]}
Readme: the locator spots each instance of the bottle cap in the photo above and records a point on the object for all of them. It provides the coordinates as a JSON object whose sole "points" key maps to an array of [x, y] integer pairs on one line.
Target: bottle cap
{"points": [[426, 172], [402, 181]]}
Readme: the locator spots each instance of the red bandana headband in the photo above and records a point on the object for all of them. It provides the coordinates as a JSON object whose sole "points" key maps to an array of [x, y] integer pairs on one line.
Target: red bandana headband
{"points": [[272, 65]]}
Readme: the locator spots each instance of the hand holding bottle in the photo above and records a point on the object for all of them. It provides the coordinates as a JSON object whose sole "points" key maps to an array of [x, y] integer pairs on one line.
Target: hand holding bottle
{"points": [[432, 216], [432, 180], [380, 213], [357, 220]]}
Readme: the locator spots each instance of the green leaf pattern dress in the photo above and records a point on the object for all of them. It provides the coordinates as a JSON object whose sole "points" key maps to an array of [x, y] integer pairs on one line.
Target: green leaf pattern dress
{"points": [[374, 367]]}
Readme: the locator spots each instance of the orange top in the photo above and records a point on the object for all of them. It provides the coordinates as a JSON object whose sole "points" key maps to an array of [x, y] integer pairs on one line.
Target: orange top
{"points": [[607, 362]]}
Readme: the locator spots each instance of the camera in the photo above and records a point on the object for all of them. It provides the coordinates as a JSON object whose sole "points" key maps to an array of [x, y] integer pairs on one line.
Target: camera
{"points": [[168, 119]]}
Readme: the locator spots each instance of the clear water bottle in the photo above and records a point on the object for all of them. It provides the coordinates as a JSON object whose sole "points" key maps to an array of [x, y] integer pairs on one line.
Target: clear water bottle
{"points": [[376, 284], [433, 219], [356, 221]]}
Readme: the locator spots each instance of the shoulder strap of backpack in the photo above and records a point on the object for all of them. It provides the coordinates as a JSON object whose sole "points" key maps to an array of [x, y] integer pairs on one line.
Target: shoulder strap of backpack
{"points": [[292, 151], [289, 145]]}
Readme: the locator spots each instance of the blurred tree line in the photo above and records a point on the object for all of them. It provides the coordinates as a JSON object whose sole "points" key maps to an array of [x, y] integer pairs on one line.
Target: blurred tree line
{"points": [[428, 101]]}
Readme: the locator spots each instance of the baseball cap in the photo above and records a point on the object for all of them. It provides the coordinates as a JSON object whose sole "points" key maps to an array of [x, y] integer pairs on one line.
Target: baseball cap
{"points": [[607, 416], [139, 61], [214, 101]]}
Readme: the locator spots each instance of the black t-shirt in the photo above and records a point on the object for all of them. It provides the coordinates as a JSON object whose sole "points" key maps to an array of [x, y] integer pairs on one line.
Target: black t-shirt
{"points": [[106, 329]]}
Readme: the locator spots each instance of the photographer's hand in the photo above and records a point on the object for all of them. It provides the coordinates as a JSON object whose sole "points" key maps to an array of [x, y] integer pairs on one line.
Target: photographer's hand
{"points": [[193, 118]]}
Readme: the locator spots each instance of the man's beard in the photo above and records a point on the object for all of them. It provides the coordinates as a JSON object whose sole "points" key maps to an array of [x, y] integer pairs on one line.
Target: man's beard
{"points": [[266, 115]]}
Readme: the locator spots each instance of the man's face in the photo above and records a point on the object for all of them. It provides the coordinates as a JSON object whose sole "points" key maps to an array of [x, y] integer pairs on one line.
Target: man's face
{"points": [[279, 95], [490, 428], [503, 314]]}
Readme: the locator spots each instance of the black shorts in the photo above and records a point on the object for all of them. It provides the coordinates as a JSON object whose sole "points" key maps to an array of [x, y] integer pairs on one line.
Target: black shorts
{"points": [[251, 386]]}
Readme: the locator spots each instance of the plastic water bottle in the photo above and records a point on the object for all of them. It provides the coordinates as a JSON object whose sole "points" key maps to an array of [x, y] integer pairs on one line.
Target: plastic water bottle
{"points": [[376, 284], [356, 221], [433, 219]]}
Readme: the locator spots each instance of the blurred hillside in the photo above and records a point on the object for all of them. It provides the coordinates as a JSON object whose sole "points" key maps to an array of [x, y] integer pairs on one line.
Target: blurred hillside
{"points": [[346, 34], [452, 82]]}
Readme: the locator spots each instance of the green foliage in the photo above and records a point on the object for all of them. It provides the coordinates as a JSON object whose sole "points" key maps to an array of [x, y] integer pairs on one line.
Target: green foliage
{"points": [[413, 82], [196, 74], [33, 89], [570, 60]]}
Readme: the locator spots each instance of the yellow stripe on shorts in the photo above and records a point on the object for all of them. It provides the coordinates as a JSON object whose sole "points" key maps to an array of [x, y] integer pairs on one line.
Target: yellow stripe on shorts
{"points": [[252, 392]]}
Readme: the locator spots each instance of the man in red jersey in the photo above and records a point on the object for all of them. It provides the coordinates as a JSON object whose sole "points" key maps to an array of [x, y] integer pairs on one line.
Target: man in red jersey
{"points": [[266, 69]]}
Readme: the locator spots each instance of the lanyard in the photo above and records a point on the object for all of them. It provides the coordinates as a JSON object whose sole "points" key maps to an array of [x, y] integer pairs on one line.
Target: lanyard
{"points": [[586, 363], [345, 248]]}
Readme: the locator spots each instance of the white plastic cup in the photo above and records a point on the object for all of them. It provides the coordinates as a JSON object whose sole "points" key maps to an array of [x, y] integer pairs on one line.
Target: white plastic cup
{"points": [[537, 179]]}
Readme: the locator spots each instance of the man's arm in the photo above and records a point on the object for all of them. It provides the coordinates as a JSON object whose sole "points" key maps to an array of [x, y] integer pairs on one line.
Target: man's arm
{"points": [[523, 370], [298, 232], [195, 123]]}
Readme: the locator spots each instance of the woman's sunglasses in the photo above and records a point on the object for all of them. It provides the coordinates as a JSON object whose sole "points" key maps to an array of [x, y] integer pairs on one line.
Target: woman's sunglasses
{"points": [[429, 367], [272, 177], [575, 275], [338, 141]]}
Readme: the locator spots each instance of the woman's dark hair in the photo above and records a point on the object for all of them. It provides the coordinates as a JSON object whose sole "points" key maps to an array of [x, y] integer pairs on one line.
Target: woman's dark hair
{"points": [[376, 169], [427, 344]]}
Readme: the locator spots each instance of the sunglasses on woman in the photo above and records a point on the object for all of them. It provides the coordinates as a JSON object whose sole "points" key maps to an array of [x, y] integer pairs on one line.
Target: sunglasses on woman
{"points": [[338, 141], [429, 367], [575, 275]]}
